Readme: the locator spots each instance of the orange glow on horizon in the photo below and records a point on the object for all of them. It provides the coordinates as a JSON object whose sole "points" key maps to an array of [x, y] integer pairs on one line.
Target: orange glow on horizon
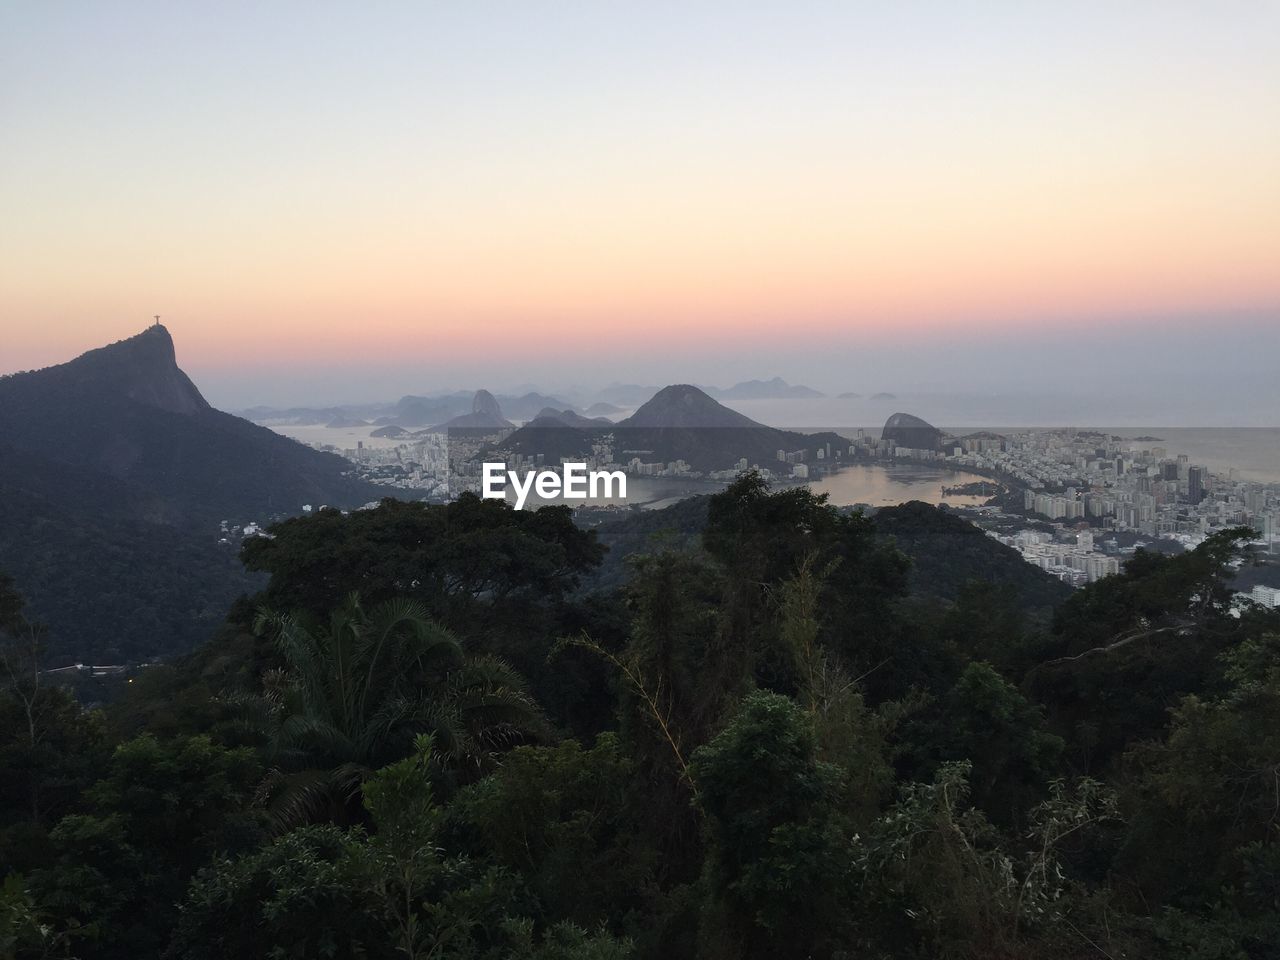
{"points": [[842, 176]]}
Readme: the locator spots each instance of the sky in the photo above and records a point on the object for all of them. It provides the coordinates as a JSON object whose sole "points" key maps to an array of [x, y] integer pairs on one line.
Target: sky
{"points": [[332, 202]]}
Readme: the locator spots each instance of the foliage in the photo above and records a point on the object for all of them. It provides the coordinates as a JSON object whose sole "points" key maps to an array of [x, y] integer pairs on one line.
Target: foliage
{"points": [[561, 818], [161, 811], [937, 880], [777, 738], [24, 931], [986, 721], [1128, 648], [112, 589], [355, 692], [776, 868], [446, 556], [321, 892], [501, 579]]}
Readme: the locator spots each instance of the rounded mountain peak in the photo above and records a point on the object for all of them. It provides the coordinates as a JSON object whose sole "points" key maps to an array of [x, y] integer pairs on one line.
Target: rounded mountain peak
{"points": [[485, 403], [684, 405], [908, 430]]}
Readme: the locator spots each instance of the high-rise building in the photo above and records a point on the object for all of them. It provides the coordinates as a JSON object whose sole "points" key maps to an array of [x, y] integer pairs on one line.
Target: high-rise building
{"points": [[1196, 477]]}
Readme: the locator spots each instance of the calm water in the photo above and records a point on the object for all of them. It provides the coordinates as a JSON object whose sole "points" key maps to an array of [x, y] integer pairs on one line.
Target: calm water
{"points": [[344, 438], [1253, 452], [885, 486]]}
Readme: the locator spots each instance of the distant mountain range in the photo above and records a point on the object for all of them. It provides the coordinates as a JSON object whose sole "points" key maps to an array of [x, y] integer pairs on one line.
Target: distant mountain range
{"points": [[603, 409], [775, 389], [410, 411], [632, 394], [550, 417], [680, 422], [452, 410], [485, 414], [115, 460]]}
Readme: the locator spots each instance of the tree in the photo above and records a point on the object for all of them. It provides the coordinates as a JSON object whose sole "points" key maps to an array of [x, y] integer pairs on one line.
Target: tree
{"points": [[21, 642], [301, 896], [1129, 647], [573, 823], [48, 743], [355, 692], [423, 894], [776, 873], [934, 878], [1211, 787], [395, 892], [987, 722], [163, 810], [448, 557], [503, 580], [762, 538]]}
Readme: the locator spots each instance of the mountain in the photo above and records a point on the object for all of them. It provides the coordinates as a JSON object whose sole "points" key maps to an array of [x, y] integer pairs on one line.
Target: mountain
{"points": [[115, 463], [311, 416], [126, 411], [679, 422], [550, 417], [682, 406], [849, 396], [602, 409], [946, 550], [883, 396], [775, 389], [409, 411], [413, 411], [485, 414], [529, 405], [911, 432]]}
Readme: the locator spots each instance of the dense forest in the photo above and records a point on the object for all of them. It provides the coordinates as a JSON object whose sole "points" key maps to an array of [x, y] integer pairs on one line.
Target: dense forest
{"points": [[782, 730]]}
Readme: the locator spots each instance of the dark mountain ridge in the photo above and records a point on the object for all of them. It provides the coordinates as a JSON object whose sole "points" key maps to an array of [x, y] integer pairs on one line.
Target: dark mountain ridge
{"points": [[114, 475], [679, 422], [143, 368], [550, 416], [907, 430], [946, 550], [127, 411]]}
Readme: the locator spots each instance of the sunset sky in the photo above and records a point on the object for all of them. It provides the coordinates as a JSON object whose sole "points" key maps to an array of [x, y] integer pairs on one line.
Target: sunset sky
{"points": [[344, 201]]}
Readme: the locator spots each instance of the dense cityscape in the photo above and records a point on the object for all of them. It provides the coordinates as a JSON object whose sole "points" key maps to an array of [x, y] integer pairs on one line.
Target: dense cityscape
{"points": [[1073, 502]]}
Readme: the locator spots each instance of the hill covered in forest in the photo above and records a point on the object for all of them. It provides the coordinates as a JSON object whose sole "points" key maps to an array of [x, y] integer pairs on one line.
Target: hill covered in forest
{"points": [[428, 735], [115, 474], [946, 551]]}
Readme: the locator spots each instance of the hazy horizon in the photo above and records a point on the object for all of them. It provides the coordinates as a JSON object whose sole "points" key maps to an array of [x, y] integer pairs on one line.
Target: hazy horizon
{"points": [[331, 205]]}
